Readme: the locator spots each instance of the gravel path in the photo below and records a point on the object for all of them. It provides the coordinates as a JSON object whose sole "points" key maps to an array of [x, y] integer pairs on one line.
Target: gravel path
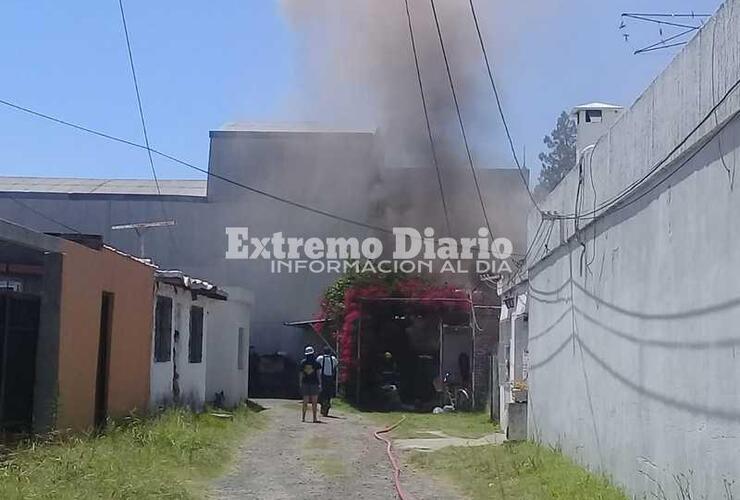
{"points": [[337, 459]]}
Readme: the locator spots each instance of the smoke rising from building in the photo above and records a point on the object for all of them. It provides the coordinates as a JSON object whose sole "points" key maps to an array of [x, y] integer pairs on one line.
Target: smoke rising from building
{"points": [[357, 70]]}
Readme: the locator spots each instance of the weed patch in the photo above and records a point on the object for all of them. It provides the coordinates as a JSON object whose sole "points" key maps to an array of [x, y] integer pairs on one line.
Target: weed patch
{"points": [[524, 471], [167, 457]]}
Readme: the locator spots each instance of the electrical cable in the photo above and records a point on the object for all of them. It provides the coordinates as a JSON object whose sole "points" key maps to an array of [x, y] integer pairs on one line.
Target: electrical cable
{"points": [[636, 184], [545, 243], [730, 172], [44, 215], [138, 96], [196, 168], [593, 187], [618, 208], [578, 208], [143, 123], [500, 107], [523, 263], [459, 116], [673, 172], [426, 118]]}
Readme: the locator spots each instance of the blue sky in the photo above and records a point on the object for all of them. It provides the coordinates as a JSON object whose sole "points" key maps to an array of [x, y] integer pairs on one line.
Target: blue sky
{"points": [[201, 65]]}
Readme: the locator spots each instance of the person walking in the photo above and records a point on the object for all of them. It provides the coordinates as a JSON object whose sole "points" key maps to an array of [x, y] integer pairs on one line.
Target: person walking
{"points": [[329, 364], [310, 382]]}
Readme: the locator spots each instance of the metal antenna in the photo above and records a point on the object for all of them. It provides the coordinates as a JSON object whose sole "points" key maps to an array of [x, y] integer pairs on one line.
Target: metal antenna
{"points": [[668, 24], [141, 228]]}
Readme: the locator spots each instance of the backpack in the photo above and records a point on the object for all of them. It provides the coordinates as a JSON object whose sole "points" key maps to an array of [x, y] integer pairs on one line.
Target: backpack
{"points": [[331, 360]]}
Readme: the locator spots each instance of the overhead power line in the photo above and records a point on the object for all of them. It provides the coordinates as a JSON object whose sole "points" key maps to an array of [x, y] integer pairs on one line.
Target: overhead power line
{"points": [[138, 96], [143, 122], [619, 207], [426, 118], [174, 159], [241, 185], [489, 68], [44, 215], [459, 117], [635, 185]]}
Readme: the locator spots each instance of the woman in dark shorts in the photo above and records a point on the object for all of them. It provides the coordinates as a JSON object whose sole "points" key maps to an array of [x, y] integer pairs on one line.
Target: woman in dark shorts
{"points": [[310, 382]]}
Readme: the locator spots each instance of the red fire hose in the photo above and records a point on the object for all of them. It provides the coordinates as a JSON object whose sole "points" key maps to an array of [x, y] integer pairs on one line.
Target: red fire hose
{"points": [[394, 461]]}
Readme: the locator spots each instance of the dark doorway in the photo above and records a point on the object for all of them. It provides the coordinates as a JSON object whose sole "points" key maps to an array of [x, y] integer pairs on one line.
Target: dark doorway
{"points": [[19, 330], [101, 386]]}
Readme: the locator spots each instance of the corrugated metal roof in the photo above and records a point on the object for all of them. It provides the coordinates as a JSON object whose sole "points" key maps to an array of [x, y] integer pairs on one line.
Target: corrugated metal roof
{"points": [[174, 187], [202, 287]]}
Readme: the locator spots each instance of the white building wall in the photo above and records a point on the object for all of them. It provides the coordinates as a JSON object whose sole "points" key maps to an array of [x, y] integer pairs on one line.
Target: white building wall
{"points": [[192, 376], [223, 372], [633, 323], [588, 133], [514, 341]]}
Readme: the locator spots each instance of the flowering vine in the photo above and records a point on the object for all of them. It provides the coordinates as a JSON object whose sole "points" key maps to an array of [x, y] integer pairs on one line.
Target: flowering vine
{"points": [[341, 306]]}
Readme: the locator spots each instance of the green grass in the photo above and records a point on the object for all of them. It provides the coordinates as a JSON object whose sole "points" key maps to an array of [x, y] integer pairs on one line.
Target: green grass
{"points": [[524, 471], [167, 457], [416, 425]]}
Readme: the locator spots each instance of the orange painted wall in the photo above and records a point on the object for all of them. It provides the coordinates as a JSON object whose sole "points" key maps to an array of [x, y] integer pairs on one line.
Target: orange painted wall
{"points": [[86, 274]]}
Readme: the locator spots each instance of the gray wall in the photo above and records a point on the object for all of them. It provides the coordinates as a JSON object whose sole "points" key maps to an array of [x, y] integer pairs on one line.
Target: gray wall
{"points": [[332, 171], [338, 172], [633, 322]]}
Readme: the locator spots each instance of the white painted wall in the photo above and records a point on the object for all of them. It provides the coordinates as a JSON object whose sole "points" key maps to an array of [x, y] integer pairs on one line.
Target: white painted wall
{"points": [[192, 376], [225, 320], [588, 133], [514, 339], [633, 335]]}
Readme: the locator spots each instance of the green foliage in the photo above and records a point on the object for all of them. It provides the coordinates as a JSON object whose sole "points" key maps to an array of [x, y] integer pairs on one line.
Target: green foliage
{"points": [[167, 457], [561, 156], [524, 471]]}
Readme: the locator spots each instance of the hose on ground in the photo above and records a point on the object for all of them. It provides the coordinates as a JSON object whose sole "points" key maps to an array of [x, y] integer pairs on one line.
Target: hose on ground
{"points": [[394, 461]]}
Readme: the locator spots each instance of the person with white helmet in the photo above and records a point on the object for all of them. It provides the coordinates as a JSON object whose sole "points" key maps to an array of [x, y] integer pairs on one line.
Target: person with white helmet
{"points": [[310, 382]]}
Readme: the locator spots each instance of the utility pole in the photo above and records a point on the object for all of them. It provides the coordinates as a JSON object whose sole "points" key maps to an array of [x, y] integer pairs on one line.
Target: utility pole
{"points": [[141, 228]]}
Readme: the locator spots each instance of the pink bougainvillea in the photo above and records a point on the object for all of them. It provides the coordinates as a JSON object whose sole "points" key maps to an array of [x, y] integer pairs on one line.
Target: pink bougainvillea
{"points": [[427, 296]]}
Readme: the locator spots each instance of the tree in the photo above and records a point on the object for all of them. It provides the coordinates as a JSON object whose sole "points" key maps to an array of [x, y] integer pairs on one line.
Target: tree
{"points": [[562, 153]]}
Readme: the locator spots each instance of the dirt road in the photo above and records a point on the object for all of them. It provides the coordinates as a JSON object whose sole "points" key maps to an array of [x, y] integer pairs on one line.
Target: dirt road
{"points": [[337, 459]]}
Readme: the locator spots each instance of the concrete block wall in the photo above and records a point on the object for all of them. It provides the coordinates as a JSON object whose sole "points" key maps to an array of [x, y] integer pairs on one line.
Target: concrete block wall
{"points": [[632, 327]]}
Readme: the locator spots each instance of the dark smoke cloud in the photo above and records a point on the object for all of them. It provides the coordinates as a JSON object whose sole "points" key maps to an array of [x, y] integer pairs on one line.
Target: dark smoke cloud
{"points": [[357, 70]]}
